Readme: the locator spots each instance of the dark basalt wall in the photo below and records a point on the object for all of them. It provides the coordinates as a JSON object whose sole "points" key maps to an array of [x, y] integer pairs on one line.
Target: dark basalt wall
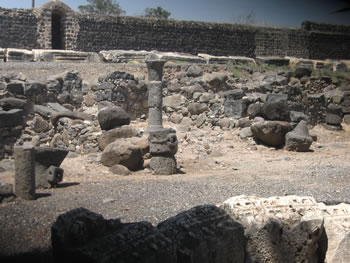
{"points": [[26, 28]]}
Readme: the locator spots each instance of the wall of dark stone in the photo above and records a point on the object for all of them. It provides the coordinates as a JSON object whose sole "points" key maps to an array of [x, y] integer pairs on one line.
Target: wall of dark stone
{"points": [[97, 34], [26, 28], [18, 28]]}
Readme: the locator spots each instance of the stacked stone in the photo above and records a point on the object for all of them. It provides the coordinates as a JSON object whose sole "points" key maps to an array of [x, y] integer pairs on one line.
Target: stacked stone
{"points": [[163, 142]]}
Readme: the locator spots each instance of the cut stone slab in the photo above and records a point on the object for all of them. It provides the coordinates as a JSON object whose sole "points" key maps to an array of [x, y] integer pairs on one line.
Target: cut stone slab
{"points": [[19, 55], [275, 61], [48, 55], [123, 56], [179, 57], [56, 107], [299, 139], [236, 108], [11, 118], [235, 60], [43, 111], [12, 103]]}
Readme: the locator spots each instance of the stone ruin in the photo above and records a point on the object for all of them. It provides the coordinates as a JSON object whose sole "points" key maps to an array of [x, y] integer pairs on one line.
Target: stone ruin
{"points": [[273, 108], [241, 230]]}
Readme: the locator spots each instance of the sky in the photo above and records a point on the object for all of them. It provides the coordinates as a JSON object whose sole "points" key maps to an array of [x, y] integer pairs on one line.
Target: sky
{"points": [[280, 13]]}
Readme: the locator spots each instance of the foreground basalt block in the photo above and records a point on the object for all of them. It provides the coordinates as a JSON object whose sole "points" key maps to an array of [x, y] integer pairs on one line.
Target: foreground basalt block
{"points": [[201, 235]]}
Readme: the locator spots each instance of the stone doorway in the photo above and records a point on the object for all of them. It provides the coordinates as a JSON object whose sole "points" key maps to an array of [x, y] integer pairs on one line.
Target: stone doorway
{"points": [[57, 30]]}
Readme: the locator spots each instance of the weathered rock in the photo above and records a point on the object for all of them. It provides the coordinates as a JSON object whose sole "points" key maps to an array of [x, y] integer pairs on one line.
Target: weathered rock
{"points": [[113, 117], [110, 136], [194, 71], [174, 101], [43, 111], [197, 108], [164, 164], [302, 72], [201, 120], [55, 116], [33, 88], [225, 123], [245, 133], [12, 103], [40, 125], [119, 170], [297, 116], [81, 235], [235, 94], [5, 190], [176, 118], [299, 139], [11, 118], [254, 110], [333, 119], [123, 153], [275, 111], [15, 87], [277, 97], [271, 133], [217, 81], [346, 119], [205, 234], [236, 108]]}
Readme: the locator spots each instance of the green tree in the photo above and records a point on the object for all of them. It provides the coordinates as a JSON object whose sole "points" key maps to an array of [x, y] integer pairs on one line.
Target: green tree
{"points": [[106, 7], [157, 12]]}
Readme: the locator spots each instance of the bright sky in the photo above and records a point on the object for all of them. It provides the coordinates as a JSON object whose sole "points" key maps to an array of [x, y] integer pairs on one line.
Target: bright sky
{"points": [[288, 13]]}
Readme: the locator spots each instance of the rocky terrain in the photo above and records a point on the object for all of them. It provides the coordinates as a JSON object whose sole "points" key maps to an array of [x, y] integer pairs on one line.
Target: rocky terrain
{"points": [[216, 159]]}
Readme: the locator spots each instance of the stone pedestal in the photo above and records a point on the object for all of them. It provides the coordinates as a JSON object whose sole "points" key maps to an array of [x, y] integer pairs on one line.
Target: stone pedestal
{"points": [[163, 147], [25, 172]]}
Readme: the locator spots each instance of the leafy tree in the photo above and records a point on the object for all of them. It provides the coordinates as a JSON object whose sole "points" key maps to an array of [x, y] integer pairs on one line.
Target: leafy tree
{"points": [[106, 7], [158, 12]]}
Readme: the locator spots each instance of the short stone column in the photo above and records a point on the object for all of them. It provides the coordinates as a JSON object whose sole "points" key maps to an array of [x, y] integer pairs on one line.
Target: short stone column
{"points": [[155, 69], [163, 147], [25, 172]]}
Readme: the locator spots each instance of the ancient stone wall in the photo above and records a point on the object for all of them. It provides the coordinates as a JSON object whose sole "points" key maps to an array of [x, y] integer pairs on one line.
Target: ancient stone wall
{"points": [[18, 28], [26, 28], [164, 35]]}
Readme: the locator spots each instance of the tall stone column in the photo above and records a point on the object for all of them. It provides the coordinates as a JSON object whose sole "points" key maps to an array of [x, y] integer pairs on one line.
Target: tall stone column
{"points": [[25, 172], [155, 94], [163, 142]]}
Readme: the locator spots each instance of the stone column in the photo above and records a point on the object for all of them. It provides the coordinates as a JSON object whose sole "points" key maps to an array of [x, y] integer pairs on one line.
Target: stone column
{"points": [[25, 172], [155, 94], [155, 69], [155, 103]]}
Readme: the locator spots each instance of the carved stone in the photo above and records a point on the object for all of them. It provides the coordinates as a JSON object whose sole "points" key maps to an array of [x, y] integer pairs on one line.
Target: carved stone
{"points": [[25, 172], [155, 69]]}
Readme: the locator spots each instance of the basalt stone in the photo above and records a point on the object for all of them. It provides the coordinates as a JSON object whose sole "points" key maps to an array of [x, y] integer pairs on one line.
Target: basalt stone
{"points": [[302, 72], [333, 119], [163, 141], [254, 110], [299, 139], [163, 164], [83, 236], [347, 119], [197, 108], [297, 116], [12, 103], [107, 137], [205, 234], [123, 153], [271, 133], [235, 94], [275, 111], [33, 88], [16, 87], [194, 71], [277, 97], [113, 117], [236, 108], [47, 162], [11, 118], [25, 172]]}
